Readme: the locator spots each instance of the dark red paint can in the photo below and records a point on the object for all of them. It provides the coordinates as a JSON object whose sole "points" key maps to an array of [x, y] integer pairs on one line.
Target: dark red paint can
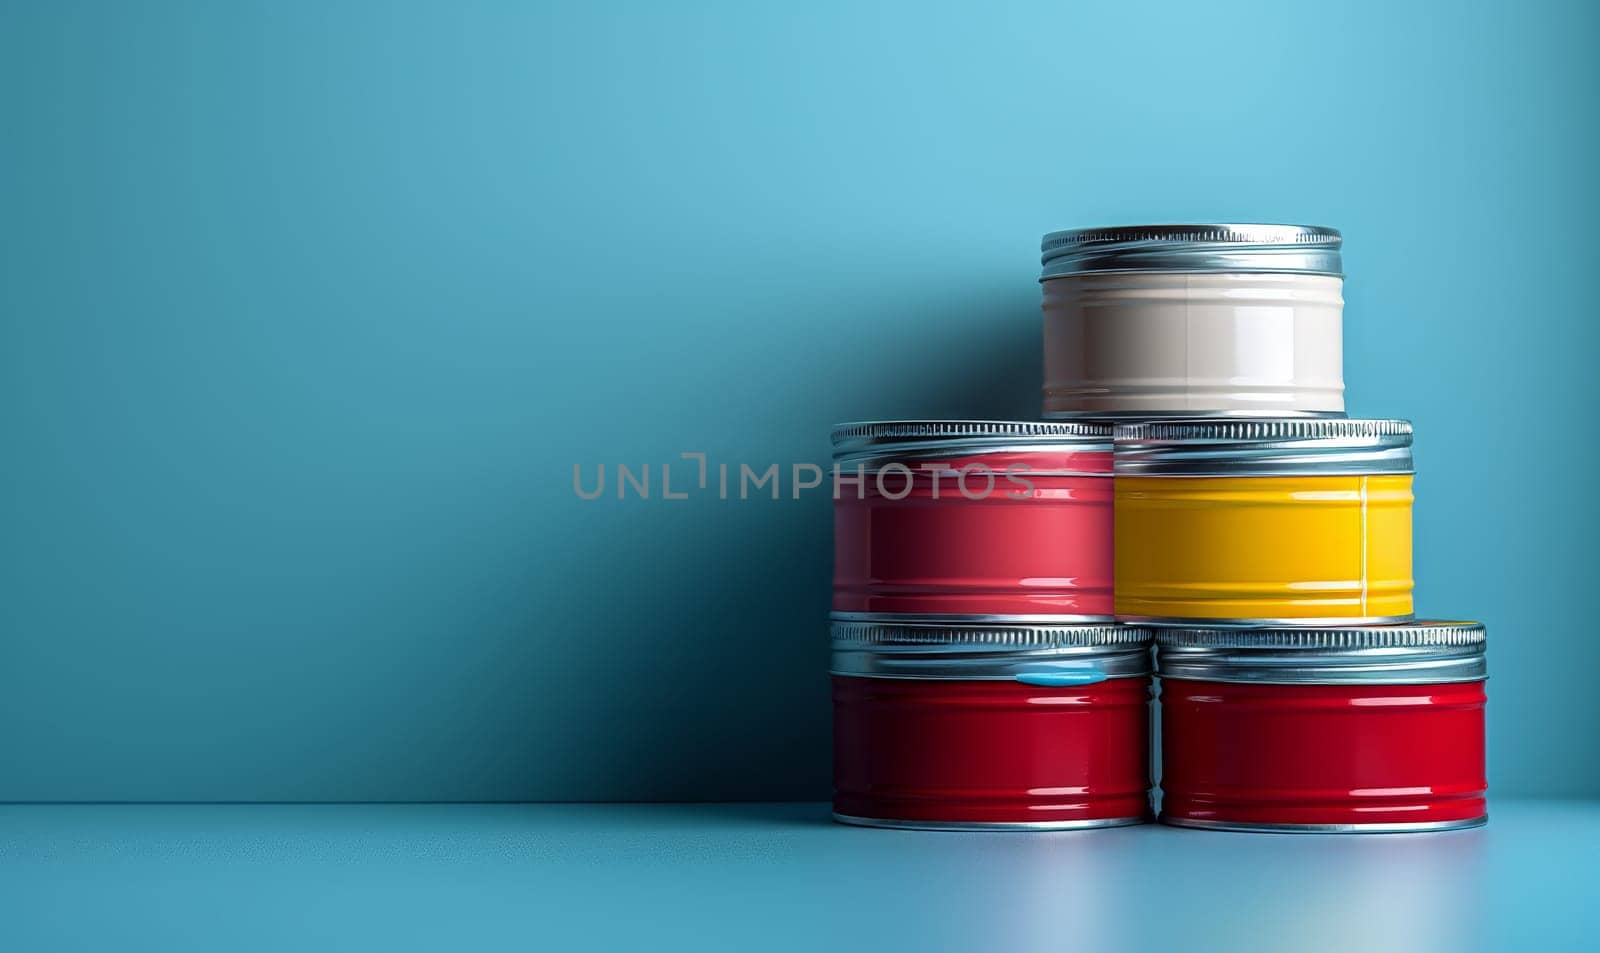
{"points": [[1365, 729], [1003, 521], [980, 727]]}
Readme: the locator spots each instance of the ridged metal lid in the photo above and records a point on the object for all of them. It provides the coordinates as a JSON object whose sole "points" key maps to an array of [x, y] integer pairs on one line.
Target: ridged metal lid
{"points": [[1414, 653], [1277, 446], [1201, 248], [869, 440], [1036, 654]]}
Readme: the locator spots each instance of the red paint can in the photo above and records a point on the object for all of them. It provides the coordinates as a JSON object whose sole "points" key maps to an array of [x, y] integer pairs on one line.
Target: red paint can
{"points": [[979, 727], [992, 520], [1364, 729]]}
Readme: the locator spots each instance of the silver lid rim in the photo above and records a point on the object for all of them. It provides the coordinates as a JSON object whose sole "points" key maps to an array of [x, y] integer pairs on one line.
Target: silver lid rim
{"points": [[886, 440], [928, 636], [1264, 622], [973, 618], [1263, 446], [1114, 417], [1201, 248], [980, 652], [996, 826], [1393, 827], [1416, 653]]}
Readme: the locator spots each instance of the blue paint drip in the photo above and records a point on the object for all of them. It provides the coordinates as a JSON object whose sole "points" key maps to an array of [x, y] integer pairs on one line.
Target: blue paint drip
{"points": [[1057, 678]]}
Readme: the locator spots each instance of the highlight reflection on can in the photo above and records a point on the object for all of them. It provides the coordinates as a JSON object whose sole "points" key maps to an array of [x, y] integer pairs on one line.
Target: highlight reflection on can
{"points": [[975, 727], [1371, 728], [1298, 520]]}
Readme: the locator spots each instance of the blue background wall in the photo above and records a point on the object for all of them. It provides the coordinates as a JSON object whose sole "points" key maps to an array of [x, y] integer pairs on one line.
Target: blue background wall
{"points": [[308, 313]]}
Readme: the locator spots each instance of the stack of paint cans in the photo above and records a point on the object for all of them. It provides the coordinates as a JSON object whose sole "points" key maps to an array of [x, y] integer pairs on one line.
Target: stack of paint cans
{"points": [[979, 677], [1195, 484]]}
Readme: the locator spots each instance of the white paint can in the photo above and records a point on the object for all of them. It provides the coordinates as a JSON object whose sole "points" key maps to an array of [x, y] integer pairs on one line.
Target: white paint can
{"points": [[1193, 320]]}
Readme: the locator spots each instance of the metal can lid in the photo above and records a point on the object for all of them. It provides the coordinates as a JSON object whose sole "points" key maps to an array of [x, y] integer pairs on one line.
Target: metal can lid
{"points": [[868, 440], [1261, 446], [1199, 248], [1037, 654], [1412, 653]]}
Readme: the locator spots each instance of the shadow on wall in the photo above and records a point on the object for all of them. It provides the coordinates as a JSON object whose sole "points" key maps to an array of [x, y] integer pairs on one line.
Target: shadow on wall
{"points": [[724, 692]]}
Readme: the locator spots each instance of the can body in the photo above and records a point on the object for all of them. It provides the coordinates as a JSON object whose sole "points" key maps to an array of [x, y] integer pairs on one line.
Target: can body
{"points": [[1146, 344], [1002, 535], [1322, 757], [1230, 549], [974, 754]]}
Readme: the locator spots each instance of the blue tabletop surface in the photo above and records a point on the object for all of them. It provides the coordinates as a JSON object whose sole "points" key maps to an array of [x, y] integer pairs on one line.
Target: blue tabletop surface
{"points": [[770, 876]]}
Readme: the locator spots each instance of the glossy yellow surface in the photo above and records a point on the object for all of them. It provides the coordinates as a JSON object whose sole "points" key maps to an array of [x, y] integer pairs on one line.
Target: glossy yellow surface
{"points": [[1314, 547]]}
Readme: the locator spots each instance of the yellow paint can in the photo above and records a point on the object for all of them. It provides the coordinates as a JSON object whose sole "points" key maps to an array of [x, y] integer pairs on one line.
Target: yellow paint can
{"points": [[1298, 520]]}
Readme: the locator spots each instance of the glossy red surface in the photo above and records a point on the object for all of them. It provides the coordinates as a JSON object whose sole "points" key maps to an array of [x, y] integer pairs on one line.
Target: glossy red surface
{"points": [[1044, 551], [1322, 754], [990, 751]]}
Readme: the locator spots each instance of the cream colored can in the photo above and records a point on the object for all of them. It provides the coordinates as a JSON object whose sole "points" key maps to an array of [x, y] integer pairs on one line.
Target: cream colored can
{"points": [[1188, 320]]}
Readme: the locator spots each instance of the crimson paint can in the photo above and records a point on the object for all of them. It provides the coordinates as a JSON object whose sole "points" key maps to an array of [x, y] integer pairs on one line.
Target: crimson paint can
{"points": [[990, 727], [1360, 729], [1000, 521]]}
